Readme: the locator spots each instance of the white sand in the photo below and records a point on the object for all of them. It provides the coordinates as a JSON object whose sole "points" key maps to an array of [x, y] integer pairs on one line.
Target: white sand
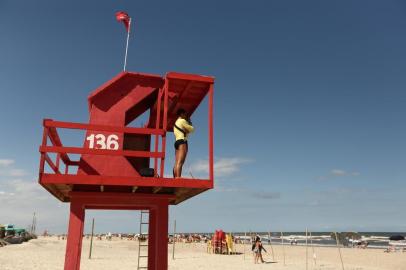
{"points": [[48, 254]]}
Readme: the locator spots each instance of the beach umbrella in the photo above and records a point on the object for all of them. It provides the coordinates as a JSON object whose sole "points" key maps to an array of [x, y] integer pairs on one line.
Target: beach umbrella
{"points": [[397, 237]]}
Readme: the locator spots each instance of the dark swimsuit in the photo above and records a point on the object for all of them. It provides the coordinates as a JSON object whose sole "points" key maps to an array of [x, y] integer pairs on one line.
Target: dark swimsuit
{"points": [[179, 142]]}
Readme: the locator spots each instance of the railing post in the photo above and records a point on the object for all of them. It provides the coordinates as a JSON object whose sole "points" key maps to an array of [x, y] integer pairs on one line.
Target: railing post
{"points": [[211, 139], [157, 126], [58, 157], [165, 125], [44, 143]]}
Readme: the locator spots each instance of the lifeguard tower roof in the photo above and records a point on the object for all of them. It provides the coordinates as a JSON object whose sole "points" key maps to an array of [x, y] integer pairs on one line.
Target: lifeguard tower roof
{"points": [[115, 157]]}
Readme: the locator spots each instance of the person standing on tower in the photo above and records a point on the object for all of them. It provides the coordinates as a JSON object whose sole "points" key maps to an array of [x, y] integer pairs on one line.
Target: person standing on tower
{"points": [[181, 129]]}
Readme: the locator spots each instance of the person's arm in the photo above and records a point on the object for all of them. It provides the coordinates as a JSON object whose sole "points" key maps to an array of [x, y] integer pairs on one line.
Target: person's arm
{"points": [[187, 127]]}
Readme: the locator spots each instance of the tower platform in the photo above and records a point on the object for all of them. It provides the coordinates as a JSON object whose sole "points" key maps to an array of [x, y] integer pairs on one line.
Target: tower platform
{"points": [[113, 106]]}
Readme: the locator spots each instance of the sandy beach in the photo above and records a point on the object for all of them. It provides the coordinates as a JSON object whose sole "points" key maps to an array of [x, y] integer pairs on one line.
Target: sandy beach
{"points": [[48, 254]]}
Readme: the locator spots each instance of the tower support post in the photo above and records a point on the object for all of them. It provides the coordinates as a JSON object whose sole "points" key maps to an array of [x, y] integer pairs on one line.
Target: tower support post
{"points": [[158, 237], [75, 235], [158, 206]]}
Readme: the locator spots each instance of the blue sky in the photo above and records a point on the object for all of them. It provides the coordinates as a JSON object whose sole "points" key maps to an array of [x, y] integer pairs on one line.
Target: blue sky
{"points": [[309, 105]]}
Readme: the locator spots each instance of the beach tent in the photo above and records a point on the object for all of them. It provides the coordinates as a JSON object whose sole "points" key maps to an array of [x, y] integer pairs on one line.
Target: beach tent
{"points": [[9, 227]]}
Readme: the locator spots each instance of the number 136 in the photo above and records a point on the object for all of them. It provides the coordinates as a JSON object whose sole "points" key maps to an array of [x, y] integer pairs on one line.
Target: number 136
{"points": [[111, 143]]}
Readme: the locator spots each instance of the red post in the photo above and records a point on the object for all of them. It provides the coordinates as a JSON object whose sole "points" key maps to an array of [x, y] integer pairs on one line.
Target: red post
{"points": [[211, 139], [44, 142], [152, 238], [165, 126], [157, 126], [161, 243], [58, 157], [158, 237], [75, 235]]}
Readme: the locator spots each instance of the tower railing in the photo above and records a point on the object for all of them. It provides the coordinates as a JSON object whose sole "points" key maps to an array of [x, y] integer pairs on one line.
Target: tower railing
{"points": [[51, 133], [60, 174]]}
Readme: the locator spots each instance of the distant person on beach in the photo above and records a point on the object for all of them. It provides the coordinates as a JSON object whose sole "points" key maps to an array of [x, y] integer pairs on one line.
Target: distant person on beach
{"points": [[181, 129], [257, 248]]}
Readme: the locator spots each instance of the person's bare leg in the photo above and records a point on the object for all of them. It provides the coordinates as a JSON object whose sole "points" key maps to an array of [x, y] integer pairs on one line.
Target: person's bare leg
{"points": [[176, 162], [180, 158], [183, 158], [174, 165]]}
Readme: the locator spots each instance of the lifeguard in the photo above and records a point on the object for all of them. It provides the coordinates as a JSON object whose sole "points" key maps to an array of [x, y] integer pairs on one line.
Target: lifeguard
{"points": [[181, 129]]}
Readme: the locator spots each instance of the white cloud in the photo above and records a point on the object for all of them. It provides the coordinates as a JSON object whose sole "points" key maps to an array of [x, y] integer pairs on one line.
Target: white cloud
{"points": [[228, 166], [338, 173], [3, 193], [222, 166], [200, 166], [7, 170], [6, 162], [17, 173]]}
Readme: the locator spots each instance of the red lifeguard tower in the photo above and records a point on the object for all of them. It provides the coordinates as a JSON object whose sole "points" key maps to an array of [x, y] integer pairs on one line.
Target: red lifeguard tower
{"points": [[122, 167]]}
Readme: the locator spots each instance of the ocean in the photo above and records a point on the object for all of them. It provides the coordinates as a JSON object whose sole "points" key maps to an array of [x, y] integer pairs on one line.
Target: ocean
{"points": [[374, 239]]}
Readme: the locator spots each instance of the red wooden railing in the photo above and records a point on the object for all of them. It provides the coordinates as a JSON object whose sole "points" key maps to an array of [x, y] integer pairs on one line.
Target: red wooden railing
{"points": [[51, 133]]}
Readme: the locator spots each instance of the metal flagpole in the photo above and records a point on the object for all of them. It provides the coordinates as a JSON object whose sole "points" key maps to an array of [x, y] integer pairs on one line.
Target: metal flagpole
{"points": [[126, 47]]}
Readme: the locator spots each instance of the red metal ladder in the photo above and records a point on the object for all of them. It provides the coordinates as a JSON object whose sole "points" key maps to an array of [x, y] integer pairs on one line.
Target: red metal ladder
{"points": [[143, 248]]}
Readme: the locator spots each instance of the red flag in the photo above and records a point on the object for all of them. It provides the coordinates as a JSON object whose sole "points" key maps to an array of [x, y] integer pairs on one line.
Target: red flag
{"points": [[121, 16]]}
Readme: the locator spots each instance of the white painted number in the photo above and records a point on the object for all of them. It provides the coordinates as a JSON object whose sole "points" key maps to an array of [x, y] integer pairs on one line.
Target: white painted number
{"points": [[100, 141], [111, 144], [91, 141]]}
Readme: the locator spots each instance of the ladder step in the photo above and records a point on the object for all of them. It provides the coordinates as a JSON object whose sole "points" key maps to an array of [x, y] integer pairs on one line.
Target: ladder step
{"points": [[143, 245], [143, 256]]}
